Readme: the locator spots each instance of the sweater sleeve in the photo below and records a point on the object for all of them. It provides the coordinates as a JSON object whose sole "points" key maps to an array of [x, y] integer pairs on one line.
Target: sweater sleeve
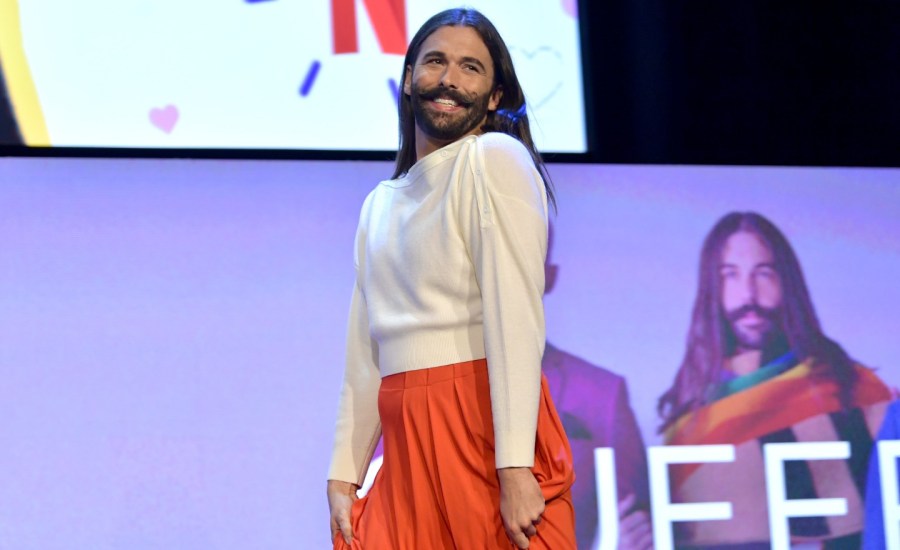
{"points": [[506, 234], [358, 425]]}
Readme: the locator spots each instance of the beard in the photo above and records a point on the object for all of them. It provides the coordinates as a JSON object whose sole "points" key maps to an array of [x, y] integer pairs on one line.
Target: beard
{"points": [[758, 337], [448, 126]]}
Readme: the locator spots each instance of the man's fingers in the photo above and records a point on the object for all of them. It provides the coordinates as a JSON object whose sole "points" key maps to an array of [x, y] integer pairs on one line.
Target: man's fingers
{"points": [[346, 530], [520, 535], [334, 528], [634, 520], [644, 542], [626, 504], [521, 504], [340, 522], [635, 532], [341, 495], [519, 539]]}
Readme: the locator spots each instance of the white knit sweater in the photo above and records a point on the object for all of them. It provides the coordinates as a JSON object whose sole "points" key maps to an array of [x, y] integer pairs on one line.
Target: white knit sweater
{"points": [[450, 268]]}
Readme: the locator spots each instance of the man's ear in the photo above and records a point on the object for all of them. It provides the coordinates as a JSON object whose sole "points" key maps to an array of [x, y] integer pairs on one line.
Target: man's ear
{"points": [[496, 95], [407, 82]]}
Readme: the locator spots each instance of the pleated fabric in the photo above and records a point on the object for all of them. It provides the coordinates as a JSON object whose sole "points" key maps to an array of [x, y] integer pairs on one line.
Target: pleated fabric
{"points": [[438, 486]]}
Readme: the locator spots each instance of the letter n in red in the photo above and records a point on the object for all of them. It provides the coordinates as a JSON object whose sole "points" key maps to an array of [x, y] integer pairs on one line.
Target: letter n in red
{"points": [[388, 20]]}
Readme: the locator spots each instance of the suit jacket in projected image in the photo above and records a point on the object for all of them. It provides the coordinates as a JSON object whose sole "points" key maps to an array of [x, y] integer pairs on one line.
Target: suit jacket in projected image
{"points": [[874, 536]]}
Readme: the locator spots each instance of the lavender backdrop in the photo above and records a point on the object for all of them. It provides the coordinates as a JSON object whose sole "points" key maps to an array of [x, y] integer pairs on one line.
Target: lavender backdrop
{"points": [[171, 332]]}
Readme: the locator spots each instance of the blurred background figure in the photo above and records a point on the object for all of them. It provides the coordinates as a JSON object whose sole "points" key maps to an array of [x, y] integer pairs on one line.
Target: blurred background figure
{"points": [[593, 405]]}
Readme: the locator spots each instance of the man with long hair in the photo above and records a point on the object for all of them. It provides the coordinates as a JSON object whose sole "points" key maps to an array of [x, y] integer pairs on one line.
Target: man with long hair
{"points": [[759, 369], [446, 328]]}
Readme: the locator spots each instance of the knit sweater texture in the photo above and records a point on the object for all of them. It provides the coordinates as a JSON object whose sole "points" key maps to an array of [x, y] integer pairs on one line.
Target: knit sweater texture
{"points": [[449, 268]]}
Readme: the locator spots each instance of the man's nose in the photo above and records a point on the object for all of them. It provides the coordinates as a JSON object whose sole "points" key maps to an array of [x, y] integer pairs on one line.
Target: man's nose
{"points": [[448, 77], [750, 291]]}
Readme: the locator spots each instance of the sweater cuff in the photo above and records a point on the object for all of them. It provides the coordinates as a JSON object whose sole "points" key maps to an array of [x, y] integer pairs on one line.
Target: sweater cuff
{"points": [[345, 472], [514, 450], [351, 464]]}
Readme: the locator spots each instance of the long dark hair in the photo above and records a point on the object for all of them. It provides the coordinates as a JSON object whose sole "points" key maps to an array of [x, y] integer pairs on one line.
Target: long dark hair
{"points": [[709, 339], [510, 117]]}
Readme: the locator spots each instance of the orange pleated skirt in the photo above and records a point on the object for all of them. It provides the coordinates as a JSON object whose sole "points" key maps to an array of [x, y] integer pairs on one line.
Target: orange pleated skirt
{"points": [[438, 486]]}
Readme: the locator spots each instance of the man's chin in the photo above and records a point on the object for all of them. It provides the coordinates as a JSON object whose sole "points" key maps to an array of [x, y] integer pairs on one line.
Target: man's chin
{"points": [[751, 340], [445, 132]]}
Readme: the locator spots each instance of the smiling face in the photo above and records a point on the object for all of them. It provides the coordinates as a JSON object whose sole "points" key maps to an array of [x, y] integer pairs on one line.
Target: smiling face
{"points": [[751, 291], [451, 87]]}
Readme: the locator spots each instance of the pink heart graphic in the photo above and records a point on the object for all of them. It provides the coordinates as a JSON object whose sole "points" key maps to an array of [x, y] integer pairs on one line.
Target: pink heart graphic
{"points": [[165, 118]]}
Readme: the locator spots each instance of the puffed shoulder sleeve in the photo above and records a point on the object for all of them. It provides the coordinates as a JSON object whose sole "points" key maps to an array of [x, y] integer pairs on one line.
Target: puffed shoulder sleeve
{"points": [[505, 228], [358, 425]]}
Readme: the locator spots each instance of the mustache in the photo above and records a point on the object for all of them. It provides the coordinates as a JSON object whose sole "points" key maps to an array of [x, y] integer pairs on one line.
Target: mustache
{"points": [[448, 93], [764, 312]]}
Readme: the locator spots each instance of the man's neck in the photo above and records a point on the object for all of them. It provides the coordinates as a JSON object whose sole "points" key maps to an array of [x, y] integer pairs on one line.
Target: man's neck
{"points": [[426, 144], [744, 361]]}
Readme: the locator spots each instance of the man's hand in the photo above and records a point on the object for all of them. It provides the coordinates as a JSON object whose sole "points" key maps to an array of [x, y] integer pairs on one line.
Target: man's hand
{"points": [[521, 504], [635, 532], [341, 496]]}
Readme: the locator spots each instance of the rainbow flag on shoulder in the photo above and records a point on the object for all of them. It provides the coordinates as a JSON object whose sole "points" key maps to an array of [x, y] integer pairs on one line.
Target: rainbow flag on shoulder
{"points": [[784, 401]]}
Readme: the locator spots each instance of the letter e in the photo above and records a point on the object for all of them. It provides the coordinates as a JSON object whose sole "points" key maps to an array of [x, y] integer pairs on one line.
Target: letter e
{"points": [[780, 508], [664, 511]]}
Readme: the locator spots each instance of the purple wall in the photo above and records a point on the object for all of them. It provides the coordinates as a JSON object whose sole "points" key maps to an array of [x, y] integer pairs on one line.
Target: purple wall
{"points": [[171, 332]]}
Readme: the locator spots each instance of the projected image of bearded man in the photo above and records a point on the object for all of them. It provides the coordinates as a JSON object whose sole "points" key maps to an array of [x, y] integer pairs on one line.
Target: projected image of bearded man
{"points": [[759, 369]]}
